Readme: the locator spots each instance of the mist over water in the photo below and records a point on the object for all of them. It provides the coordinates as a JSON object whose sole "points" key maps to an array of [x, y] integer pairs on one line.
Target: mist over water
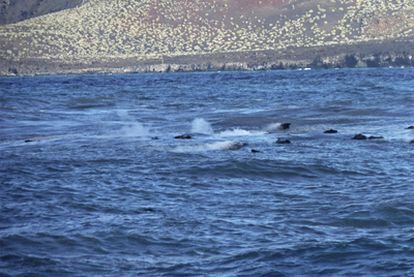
{"points": [[273, 127], [135, 130], [130, 127], [93, 181], [201, 126]]}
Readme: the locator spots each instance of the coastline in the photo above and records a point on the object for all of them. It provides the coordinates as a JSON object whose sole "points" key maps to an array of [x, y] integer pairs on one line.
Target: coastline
{"points": [[370, 54]]}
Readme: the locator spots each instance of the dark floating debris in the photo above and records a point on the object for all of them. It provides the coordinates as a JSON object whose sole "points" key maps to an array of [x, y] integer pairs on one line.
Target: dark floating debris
{"points": [[376, 137], [331, 131], [412, 142], [410, 128], [285, 126], [360, 137], [29, 140], [283, 141], [255, 151], [155, 138], [183, 137]]}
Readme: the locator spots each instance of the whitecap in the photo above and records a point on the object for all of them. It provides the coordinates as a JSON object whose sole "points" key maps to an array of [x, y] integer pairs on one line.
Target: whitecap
{"points": [[215, 146], [237, 132], [273, 127]]}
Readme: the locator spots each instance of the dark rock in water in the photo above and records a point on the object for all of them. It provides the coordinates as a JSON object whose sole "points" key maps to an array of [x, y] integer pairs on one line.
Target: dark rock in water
{"points": [[155, 138], [331, 131], [29, 140], [410, 128], [148, 210], [283, 141], [360, 137], [13, 71], [237, 146], [412, 142], [285, 126], [183, 137], [376, 137], [255, 151]]}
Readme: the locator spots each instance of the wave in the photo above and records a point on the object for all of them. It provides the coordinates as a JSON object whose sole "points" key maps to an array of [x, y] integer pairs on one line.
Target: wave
{"points": [[237, 132], [271, 169], [273, 127], [202, 126], [215, 146]]}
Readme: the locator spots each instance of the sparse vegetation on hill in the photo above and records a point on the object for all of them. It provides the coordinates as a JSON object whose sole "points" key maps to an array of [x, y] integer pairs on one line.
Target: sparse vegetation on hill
{"points": [[150, 29], [12, 11]]}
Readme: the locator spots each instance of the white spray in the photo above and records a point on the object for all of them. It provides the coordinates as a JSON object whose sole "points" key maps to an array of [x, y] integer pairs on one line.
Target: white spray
{"points": [[132, 128], [135, 129], [201, 126]]}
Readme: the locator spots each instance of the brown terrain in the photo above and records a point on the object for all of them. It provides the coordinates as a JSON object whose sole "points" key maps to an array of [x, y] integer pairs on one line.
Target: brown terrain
{"points": [[12, 11], [187, 35]]}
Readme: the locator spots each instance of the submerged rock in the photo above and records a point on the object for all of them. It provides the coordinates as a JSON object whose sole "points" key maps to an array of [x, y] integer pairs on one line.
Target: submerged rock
{"points": [[148, 210], [376, 137], [285, 126], [183, 137], [35, 139], [360, 137], [283, 141], [237, 146], [275, 127], [331, 131], [40, 139]]}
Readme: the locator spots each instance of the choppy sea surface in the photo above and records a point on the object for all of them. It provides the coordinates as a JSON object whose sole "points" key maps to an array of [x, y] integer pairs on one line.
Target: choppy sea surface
{"points": [[93, 182]]}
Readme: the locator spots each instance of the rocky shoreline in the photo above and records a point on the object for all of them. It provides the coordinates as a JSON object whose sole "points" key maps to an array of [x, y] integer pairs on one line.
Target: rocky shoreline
{"points": [[373, 54]]}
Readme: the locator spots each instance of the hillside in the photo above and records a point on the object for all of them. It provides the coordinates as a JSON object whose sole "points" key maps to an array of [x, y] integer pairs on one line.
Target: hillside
{"points": [[12, 11], [107, 31]]}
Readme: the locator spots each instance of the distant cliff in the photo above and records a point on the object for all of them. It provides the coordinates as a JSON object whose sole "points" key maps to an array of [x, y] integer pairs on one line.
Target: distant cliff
{"points": [[139, 35]]}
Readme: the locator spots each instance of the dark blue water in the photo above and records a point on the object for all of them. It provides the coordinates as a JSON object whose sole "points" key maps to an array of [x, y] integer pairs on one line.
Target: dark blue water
{"points": [[87, 189]]}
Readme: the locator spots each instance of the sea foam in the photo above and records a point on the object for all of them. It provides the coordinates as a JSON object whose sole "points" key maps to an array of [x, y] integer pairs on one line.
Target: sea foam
{"points": [[273, 127], [237, 132], [214, 146]]}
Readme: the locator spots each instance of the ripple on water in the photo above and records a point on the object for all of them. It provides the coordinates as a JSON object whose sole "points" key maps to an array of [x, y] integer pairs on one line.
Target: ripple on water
{"points": [[103, 188]]}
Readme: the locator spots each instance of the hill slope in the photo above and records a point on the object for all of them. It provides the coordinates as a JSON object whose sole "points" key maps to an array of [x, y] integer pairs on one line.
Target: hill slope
{"points": [[144, 29], [17, 10]]}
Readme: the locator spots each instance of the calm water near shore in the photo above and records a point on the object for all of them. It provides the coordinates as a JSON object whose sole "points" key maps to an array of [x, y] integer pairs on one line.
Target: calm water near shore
{"points": [[92, 181]]}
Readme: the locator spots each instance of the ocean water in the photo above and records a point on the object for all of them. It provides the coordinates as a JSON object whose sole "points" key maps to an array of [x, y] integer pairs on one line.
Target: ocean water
{"points": [[92, 181]]}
